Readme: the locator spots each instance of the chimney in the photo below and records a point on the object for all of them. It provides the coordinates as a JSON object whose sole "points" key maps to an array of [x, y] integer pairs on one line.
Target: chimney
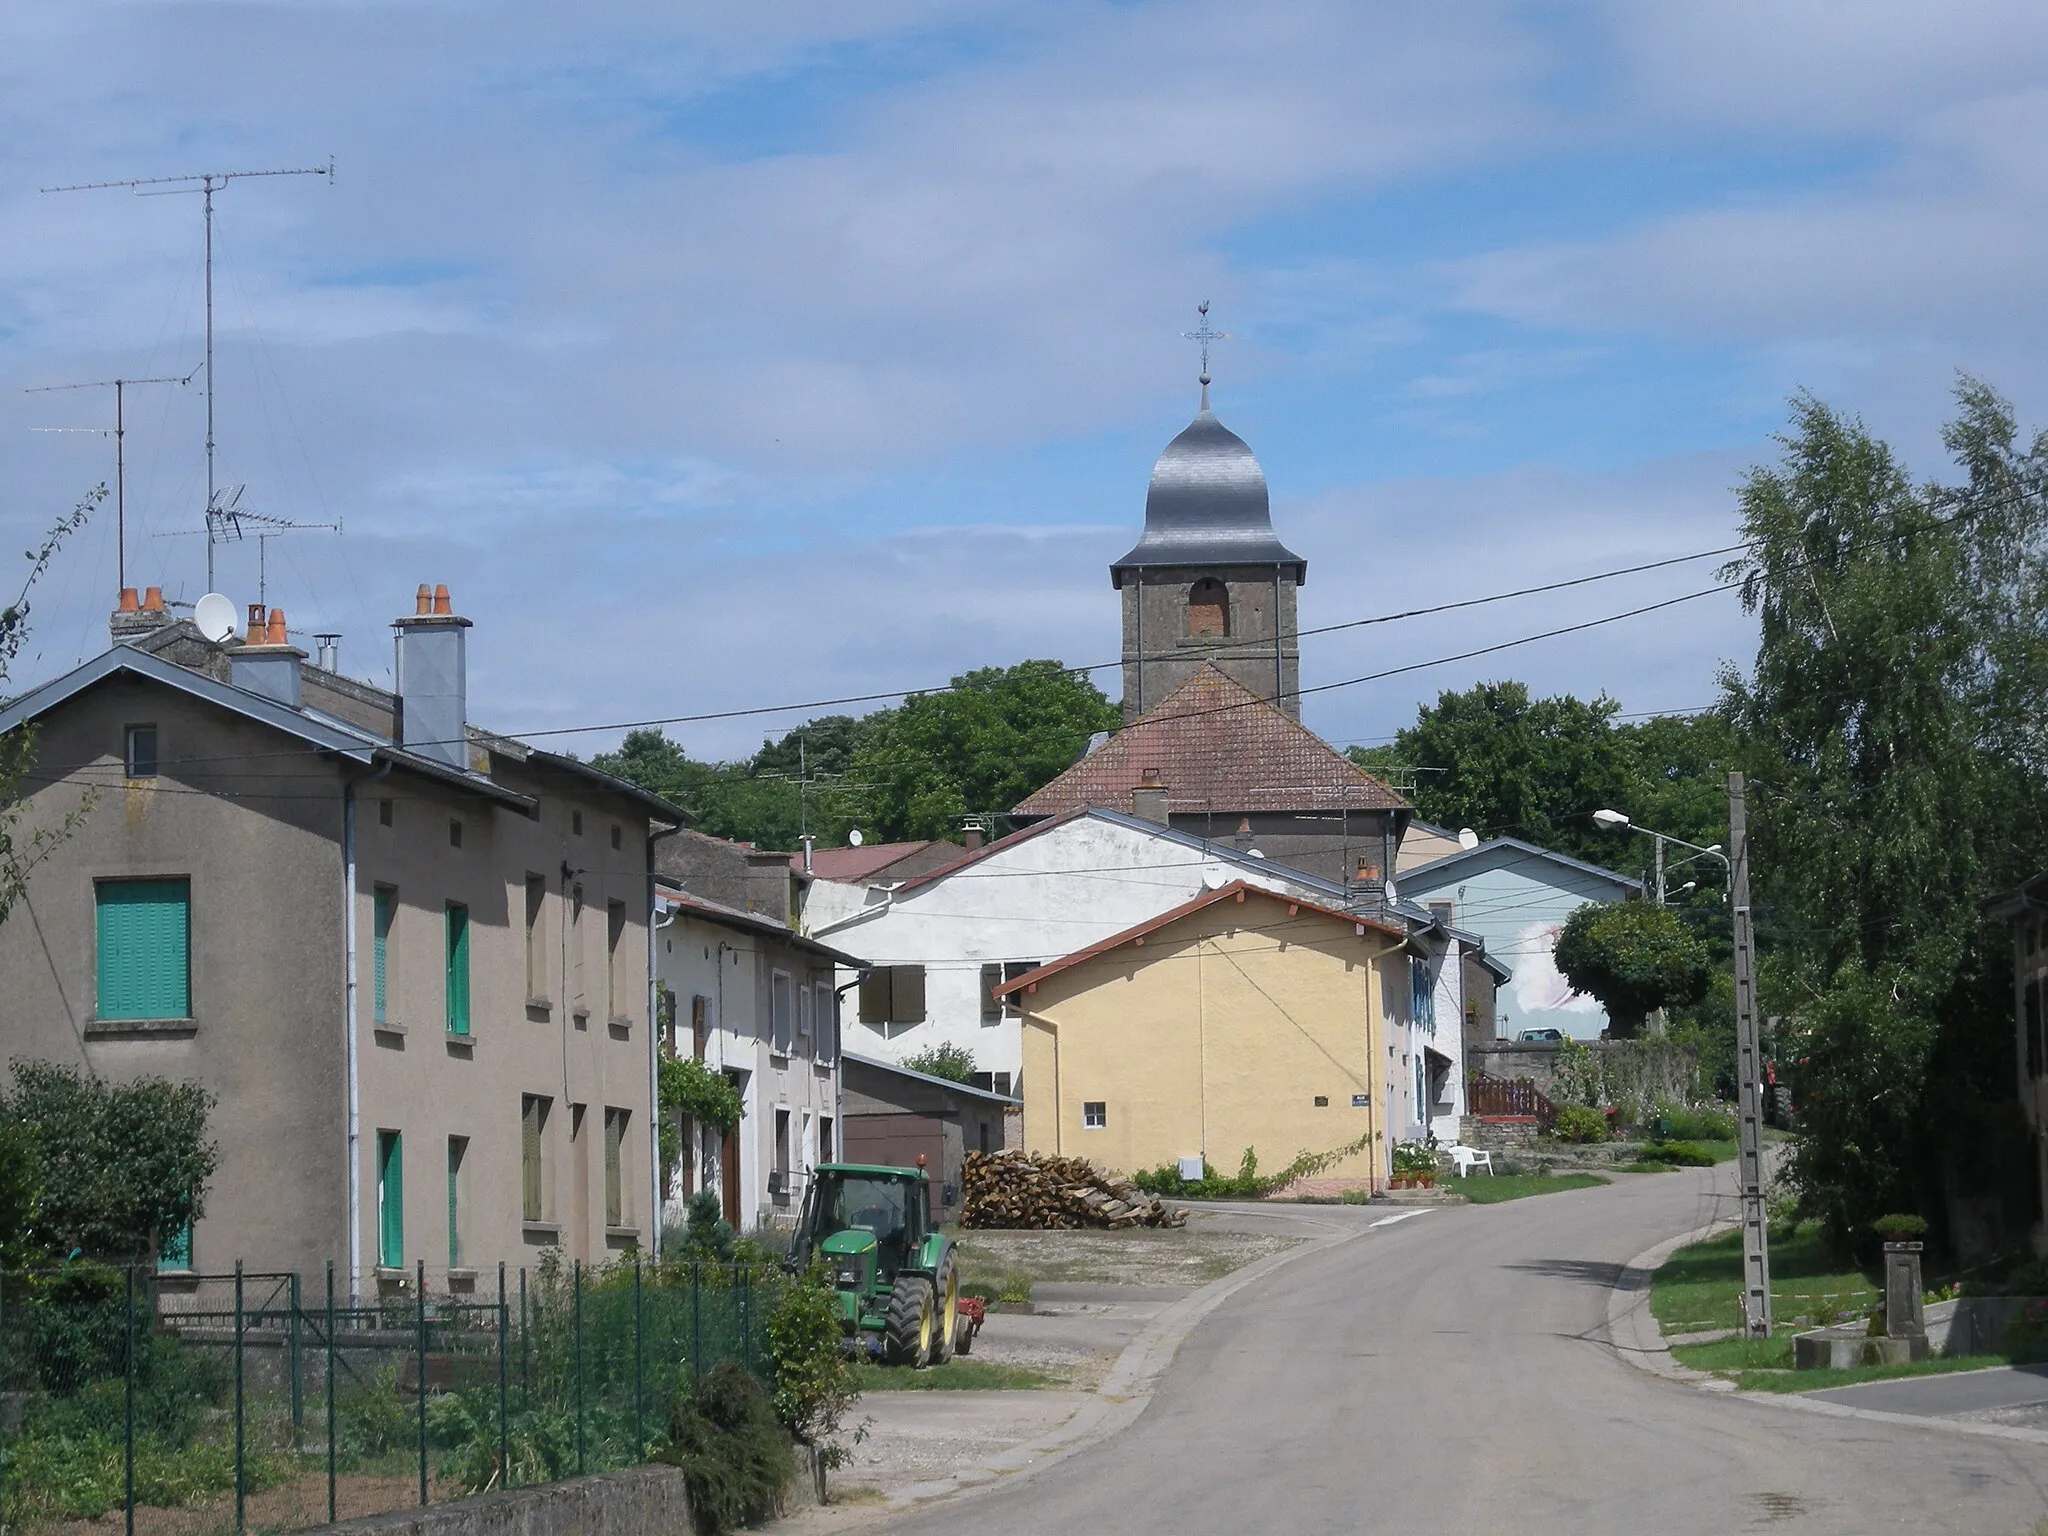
{"points": [[268, 664], [1148, 800], [970, 836], [329, 652], [133, 617], [433, 682]]}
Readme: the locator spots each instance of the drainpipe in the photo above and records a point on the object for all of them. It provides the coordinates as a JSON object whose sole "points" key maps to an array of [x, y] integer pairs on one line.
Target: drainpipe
{"points": [[350, 1030], [654, 1053]]}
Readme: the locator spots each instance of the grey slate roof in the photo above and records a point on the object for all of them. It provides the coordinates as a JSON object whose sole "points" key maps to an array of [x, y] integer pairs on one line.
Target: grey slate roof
{"points": [[925, 1077], [1528, 851], [1208, 506]]}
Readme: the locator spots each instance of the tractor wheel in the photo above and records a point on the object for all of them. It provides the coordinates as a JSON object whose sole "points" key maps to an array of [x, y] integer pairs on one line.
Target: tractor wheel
{"points": [[912, 1316], [945, 1328]]}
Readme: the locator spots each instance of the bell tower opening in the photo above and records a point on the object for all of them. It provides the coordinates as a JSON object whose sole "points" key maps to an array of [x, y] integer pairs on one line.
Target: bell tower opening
{"points": [[1208, 610]]}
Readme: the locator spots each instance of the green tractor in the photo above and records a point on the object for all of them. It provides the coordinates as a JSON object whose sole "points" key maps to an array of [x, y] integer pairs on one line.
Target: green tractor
{"points": [[897, 1279]]}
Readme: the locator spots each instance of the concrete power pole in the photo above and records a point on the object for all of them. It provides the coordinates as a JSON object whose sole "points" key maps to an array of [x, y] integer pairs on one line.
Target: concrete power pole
{"points": [[1749, 1073]]}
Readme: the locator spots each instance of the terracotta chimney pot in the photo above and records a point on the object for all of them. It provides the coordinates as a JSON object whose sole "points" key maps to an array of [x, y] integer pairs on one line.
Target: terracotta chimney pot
{"points": [[153, 600], [275, 635], [259, 626], [441, 605], [1368, 871], [423, 601]]}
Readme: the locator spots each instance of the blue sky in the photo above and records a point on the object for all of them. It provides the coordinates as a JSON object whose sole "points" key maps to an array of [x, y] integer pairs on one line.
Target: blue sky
{"points": [[726, 354]]}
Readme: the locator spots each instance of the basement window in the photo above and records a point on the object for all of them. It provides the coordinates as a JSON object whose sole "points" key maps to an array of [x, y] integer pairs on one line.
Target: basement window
{"points": [[139, 751], [383, 813], [1094, 1115]]}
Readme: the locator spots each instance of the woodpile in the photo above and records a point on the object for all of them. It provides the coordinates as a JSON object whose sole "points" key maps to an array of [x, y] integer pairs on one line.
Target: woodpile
{"points": [[1035, 1191]]}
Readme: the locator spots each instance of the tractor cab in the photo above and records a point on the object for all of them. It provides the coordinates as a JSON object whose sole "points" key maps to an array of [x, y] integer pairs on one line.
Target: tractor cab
{"points": [[895, 1277]]}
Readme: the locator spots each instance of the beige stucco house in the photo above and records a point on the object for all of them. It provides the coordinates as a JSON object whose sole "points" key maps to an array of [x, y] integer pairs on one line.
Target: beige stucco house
{"points": [[1243, 1018], [409, 958]]}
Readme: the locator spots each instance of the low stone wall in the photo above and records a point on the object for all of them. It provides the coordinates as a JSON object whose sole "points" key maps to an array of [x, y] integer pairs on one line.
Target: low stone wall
{"points": [[635, 1502], [1510, 1135], [1974, 1325]]}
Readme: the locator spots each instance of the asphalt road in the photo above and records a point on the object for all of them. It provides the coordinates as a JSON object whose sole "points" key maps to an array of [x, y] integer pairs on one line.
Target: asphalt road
{"points": [[1450, 1373]]}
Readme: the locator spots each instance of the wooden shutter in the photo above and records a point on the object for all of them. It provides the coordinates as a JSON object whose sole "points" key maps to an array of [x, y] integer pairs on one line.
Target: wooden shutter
{"points": [[991, 1005], [458, 969], [144, 942], [874, 995], [907, 985], [391, 1199]]}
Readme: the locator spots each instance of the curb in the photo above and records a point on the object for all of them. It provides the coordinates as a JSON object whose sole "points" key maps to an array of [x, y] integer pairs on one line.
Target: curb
{"points": [[1635, 1337], [1126, 1391]]}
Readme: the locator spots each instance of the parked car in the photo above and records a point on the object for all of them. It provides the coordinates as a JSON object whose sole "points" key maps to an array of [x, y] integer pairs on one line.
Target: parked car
{"points": [[1541, 1036]]}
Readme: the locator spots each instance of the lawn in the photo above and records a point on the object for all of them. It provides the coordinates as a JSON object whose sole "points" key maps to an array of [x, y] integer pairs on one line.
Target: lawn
{"points": [[1765, 1365], [955, 1375], [1700, 1286], [1481, 1189]]}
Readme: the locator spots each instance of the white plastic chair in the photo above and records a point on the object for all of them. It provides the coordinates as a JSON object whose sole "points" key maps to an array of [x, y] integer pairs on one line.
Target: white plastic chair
{"points": [[1468, 1158]]}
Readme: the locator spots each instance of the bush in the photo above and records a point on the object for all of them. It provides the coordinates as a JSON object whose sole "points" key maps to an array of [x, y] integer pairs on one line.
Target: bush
{"points": [[1580, 1123], [1682, 1154], [1900, 1228], [733, 1450], [1676, 1122], [814, 1380]]}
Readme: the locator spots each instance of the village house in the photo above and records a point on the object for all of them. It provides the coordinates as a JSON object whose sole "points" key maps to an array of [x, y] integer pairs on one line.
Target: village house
{"points": [[408, 958], [1241, 1019]]}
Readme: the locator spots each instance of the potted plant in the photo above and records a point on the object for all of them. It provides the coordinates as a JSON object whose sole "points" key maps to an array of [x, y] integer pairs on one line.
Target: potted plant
{"points": [[1414, 1165]]}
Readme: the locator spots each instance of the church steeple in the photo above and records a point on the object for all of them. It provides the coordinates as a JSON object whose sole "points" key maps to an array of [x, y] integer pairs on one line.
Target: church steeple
{"points": [[1209, 580]]}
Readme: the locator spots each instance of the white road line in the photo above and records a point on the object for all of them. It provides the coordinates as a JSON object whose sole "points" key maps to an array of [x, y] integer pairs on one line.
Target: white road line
{"points": [[1388, 1221]]}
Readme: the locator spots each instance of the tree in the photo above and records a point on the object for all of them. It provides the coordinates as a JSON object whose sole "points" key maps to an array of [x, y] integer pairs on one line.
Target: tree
{"points": [[19, 854], [1891, 720], [1632, 957], [955, 1063], [122, 1166], [995, 736]]}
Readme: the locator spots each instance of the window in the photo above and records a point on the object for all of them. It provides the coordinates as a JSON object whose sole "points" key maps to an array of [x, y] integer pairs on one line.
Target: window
{"points": [[1442, 911], [824, 1138], [138, 750], [1208, 609], [1421, 992], [618, 838], [782, 1142], [576, 822], [892, 994], [990, 1082], [175, 1252], [827, 1044], [983, 1125], [390, 1200], [383, 908], [458, 1148], [536, 936], [383, 813], [144, 948], [803, 1013], [780, 1024], [533, 1124], [1094, 1115], [614, 1166], [614, 933], [1001, 1084], [454, 831], [458, 968], [581, 996]]}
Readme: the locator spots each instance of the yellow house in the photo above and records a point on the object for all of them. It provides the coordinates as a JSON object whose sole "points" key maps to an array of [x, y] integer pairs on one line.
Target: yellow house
{"points": [[1241, 1019]]}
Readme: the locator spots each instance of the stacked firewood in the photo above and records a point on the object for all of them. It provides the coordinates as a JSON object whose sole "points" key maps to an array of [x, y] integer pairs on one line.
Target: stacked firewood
{"points": [[1035, 1190]]}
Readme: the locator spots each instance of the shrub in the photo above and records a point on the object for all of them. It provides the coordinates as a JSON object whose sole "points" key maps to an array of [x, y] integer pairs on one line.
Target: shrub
{"points": [[1682, 1154], [1580, 1123], [2030, 1279], [732, 1449], [955, 1063], [814, 1380], [1676, 1122], [1900, 1228]]}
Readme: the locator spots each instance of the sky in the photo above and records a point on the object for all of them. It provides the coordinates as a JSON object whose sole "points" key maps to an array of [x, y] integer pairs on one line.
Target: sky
{"points": [[726, 355]]}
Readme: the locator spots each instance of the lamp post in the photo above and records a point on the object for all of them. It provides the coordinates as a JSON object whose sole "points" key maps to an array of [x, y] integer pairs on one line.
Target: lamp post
{"points": [[1616, 821]]}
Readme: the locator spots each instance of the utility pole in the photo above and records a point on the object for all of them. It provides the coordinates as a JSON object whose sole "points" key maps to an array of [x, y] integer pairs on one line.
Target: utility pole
{"points": [[1756, 1243]]}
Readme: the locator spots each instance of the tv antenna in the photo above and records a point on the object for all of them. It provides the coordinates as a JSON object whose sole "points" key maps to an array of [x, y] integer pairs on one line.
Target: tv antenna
{"points": [[224, 526], [205, 184], [120, 389]]}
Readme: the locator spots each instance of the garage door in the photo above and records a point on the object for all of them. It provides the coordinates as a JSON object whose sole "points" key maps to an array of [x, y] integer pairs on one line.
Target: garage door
{"points": [[894, 1141]]}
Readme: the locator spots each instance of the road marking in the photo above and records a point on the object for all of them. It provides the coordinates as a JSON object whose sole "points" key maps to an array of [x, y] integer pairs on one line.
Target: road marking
{"points": [[1388, 1221]]}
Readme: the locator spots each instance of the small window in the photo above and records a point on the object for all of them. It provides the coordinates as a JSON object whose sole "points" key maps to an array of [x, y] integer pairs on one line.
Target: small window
{"points": [[618, 838], [533, 1124], [536, 936], [576, 822], [458, 1148], [781, 1014], [615, 1166], [1442, 911], [455, 832], [824, 1138], [782, 1141], [1094, 1115], [1000, 1083], [1322, 1101], [1208, 609], [139, 749], [384, 813], [614, 937], [826, 1047]]}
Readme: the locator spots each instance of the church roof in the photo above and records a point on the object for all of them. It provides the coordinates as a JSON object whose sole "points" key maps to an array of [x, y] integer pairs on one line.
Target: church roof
{"points": [[1216, 747], [1207, 506]]}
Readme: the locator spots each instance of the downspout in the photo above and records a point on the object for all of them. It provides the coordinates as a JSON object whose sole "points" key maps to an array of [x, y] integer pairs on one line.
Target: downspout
{"points": [[654, 1055], [349, 1027]]}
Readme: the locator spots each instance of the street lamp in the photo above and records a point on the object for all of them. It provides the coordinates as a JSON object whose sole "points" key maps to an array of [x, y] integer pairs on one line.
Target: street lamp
{"points": [[1616, 821]]}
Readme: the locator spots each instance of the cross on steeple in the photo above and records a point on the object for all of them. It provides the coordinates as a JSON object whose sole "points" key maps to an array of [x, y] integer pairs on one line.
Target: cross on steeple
{"points": [[1205, 336]]}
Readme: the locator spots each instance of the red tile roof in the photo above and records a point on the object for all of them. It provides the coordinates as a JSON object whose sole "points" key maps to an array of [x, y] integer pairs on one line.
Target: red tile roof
{"points": [[1217, 747], [1237, 890], [854, 865]]}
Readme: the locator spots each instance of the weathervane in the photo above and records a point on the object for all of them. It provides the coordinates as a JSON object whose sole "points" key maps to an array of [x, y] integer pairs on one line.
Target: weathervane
{"points": [[1205, 336]]}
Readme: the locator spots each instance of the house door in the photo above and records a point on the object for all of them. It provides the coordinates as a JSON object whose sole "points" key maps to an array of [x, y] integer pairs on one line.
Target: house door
{"points": [[729, 1175]]}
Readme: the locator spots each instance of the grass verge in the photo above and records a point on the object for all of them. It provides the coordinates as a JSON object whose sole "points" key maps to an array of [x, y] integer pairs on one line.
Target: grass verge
{"points": [[1481, 1189], [1818, 1381], [1700, 1286], [954, 1376]]}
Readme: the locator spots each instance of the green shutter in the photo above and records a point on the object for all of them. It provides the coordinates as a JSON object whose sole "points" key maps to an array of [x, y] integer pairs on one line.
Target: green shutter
{"points": [[381, 904], [458, 969], [457, 1145], [145, 946], [391, 1199]]}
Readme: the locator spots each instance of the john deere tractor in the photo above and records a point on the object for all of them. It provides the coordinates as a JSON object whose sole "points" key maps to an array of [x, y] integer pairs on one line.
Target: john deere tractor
{"points": [[897, 1280]]}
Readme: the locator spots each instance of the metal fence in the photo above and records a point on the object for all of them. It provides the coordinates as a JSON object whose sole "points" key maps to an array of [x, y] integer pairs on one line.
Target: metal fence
{"points": [[197, 1404]]}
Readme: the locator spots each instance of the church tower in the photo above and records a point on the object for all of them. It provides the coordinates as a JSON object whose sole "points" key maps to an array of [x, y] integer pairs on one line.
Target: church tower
{"points": [[1209, 580]]}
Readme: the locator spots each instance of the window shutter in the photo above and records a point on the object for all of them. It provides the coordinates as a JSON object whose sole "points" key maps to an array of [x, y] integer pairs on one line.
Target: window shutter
{"points": [[874, 995], [144, 940], [380, 929], [529, 1158], [991, 1005], [908, 988], [391, 1199], [458, 969]]}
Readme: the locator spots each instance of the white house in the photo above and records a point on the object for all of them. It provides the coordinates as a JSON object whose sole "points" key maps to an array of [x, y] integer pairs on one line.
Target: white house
{"points": [[748, 997]]}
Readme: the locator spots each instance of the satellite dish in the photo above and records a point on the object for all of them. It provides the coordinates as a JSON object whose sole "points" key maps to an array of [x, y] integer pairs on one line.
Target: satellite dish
{"points": [[853, 838], [1391, 897], [1255, 853], [215, 616], [1467, 839], [1213, 878]]}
